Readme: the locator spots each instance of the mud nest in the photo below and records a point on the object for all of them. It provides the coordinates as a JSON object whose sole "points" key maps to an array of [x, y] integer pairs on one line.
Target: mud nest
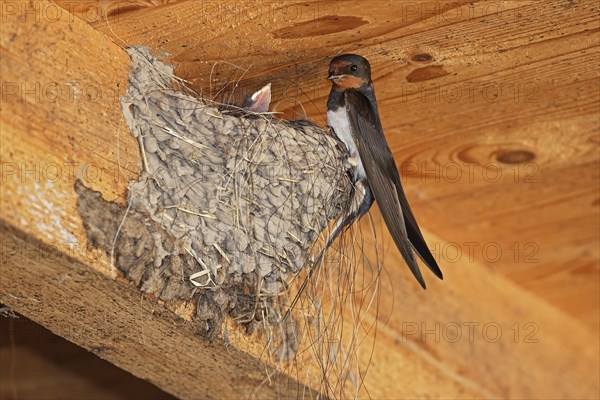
{"points": [[229, 207]]}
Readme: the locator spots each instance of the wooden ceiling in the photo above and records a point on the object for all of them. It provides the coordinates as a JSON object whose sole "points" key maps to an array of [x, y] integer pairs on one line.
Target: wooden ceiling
{"points": [[490, 108]]}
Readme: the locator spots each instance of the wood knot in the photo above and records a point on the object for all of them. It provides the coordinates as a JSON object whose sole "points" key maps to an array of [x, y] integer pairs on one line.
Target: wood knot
{"points": [[426, 73], [422, 57], [515, 156]]}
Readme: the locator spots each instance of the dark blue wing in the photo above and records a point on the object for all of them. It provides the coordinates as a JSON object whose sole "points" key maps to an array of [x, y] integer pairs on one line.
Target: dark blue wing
{"points": [[384, 180]]}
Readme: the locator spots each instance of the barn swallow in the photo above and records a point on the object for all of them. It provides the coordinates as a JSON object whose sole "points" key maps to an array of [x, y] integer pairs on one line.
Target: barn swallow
{"points": [[353, 114], [259, 101]]}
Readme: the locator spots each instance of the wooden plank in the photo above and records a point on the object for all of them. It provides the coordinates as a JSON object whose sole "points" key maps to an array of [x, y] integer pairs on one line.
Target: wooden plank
{"points": [[463, 86], [415, 353], [61, 120], [34, 362], [112, 320]]}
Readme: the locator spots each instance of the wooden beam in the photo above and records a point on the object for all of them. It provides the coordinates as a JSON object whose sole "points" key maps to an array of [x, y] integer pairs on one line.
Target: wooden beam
{"points": [[33, 360], [61, 121], [60, 113], [115, 322], [490, 108]]}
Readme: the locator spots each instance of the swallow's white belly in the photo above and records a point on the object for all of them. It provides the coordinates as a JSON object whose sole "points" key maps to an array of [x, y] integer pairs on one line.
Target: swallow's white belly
{"points": [[339, 121]]}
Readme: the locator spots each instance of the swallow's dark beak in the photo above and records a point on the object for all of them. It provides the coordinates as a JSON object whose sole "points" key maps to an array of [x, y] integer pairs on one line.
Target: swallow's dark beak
{"points": [[335, 75]]}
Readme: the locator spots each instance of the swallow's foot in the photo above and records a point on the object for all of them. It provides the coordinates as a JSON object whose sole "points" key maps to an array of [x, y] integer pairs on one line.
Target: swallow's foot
{"points": [[353, 160]]}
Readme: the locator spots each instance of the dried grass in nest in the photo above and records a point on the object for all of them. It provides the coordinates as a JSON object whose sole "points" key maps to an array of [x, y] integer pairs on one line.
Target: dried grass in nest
{"points": [[230, 204]]}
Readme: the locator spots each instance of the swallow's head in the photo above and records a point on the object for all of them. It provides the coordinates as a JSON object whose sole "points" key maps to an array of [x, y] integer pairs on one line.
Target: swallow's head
{"points": [[349, 71]]}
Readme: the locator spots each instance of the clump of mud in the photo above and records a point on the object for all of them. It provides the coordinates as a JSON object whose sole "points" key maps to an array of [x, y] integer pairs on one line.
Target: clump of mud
{"points": [[229, 203]]}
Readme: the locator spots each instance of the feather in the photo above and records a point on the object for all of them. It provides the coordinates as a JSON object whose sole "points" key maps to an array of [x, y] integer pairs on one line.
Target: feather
{"points": [[384, 180]]}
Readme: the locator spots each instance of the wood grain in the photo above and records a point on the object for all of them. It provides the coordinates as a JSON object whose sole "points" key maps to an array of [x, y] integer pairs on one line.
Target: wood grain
{"points": [[523, 134], [61, 120], [112, 320], [459, 84], [35, 362]]}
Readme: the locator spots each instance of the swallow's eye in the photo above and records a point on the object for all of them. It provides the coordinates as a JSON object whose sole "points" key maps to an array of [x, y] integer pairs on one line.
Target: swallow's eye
{"points": [[353, 68]]}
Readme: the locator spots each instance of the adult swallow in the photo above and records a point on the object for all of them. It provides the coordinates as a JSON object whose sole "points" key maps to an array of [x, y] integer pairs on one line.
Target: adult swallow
{"points": [[353, 114]]}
